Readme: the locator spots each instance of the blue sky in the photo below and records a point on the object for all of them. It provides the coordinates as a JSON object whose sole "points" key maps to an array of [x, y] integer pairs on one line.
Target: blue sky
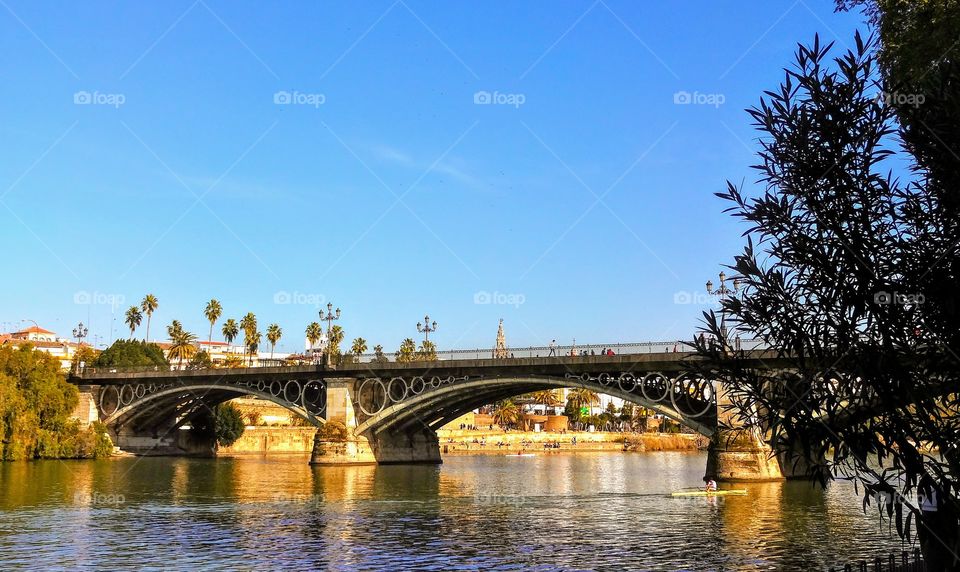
{"points": [[278, 156]]}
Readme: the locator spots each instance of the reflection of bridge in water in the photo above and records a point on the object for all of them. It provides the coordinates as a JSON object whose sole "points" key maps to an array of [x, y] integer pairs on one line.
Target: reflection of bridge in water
{"points": [[392, 410]]}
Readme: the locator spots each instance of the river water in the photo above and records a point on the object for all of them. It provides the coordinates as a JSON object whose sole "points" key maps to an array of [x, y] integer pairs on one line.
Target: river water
{"points": [[604, 511]]}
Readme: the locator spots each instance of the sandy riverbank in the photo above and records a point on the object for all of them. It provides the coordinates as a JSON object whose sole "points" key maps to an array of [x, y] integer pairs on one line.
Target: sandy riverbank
{"points": [[260, 440]]}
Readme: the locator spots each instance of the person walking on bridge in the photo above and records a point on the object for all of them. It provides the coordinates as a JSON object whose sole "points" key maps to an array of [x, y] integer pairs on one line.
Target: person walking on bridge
{"points": [[553, 348]]}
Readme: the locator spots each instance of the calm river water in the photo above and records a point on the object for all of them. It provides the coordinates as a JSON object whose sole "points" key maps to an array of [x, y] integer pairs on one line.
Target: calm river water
{"points": [[582, 511]]}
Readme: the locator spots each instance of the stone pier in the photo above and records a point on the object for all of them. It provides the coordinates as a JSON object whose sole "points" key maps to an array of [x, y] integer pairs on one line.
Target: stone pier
{"points": [[384, 447], [738, 455]]}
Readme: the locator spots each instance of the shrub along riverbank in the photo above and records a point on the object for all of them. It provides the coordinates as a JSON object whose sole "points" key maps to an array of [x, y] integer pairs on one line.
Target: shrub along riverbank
{"points": [[36, 404]]}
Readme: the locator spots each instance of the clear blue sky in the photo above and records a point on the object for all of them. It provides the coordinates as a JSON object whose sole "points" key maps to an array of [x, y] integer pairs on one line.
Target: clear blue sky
{"points": [[584, 191]]}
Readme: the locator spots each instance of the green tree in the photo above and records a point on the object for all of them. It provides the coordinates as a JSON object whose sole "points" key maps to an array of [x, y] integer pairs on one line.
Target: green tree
{"points": [[223, 424], [230, 330], [213, 311], [253, 343], [200, 360], [131, 353], [846, 273], [357, 348], [149, 304], [132, 318], [582, 397], [378, 356], [36, 404], [407, 351], [274, 333]]}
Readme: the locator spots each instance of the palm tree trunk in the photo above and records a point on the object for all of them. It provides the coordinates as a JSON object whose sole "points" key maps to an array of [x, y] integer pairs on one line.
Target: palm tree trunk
{"points": [[147, 339]]}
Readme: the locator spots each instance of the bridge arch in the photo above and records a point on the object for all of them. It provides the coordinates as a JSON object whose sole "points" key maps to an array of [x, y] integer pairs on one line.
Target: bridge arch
{"points": [[443, 400], [146, 406]]}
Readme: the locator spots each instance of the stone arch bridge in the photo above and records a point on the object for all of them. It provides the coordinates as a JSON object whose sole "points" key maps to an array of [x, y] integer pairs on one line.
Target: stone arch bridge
{"points": [[393, 410]]}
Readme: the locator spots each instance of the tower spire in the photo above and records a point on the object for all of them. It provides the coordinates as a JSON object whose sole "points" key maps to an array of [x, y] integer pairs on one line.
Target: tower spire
{"points": [[500, 351]]}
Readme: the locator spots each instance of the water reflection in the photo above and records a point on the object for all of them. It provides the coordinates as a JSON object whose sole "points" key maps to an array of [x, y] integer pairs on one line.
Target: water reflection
{"points": [[584, 511]]}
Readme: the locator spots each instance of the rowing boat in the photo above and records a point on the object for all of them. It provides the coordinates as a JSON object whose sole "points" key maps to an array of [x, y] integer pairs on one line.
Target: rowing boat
{"points": [[720, 493]]}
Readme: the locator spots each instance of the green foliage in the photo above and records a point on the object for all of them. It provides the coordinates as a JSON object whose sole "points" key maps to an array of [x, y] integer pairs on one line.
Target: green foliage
{"points": [[378, 356], [223, 424], [131, 353], [200, 360], [35, 407], [333, 431], [407, 351], [851, 274], [427, 351], [85, 355]]}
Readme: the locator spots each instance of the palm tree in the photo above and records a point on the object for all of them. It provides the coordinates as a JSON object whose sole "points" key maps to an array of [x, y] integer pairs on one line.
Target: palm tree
{"points": [[584, 398], [253, 343], [149, 304], [506, 413], [378, 356], [182, 346], [407, 351], [213, 311], [248, 324], [230, 330], [174, 328], [547, 398], [333, 344], [274, 333], [133, 319], [357, 348], [314, 332]]}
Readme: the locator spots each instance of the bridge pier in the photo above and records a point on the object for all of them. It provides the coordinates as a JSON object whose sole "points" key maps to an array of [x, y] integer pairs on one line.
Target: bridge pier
{"points": [[382, 447], [737, 456]]}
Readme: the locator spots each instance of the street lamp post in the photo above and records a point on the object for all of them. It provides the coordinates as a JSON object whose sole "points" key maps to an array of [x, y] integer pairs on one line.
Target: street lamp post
{"points": [[329, 319], [425, 328], [722, 293], [80, 332]]}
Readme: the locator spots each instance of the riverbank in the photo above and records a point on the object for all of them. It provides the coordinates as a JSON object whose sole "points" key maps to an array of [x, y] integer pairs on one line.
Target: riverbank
{"points": [[499, 442], [261, 440]]}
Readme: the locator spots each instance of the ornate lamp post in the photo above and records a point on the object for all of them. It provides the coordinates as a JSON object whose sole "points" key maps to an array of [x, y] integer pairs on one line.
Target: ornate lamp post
{"points": [[425, 328], [722, 293], [80, 332], [329, 319]]}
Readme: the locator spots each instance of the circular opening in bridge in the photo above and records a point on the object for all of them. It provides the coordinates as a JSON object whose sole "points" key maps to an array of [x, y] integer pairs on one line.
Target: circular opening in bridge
{"points": [[109, 400], [435, 381], [692, 395], [655, 387], [627, 382], [276, 388], [126, 395], [397, 389], [372, 396], [604, 378], [417, 385], [291, 391], [313, 397]]}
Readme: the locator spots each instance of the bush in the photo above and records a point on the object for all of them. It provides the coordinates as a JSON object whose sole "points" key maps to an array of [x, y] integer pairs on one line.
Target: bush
{"points": [[223, 424], [333, 431]]}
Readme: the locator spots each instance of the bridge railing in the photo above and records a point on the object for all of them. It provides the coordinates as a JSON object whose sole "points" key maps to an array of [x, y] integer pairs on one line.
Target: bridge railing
{"points": [[630, 348]]}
